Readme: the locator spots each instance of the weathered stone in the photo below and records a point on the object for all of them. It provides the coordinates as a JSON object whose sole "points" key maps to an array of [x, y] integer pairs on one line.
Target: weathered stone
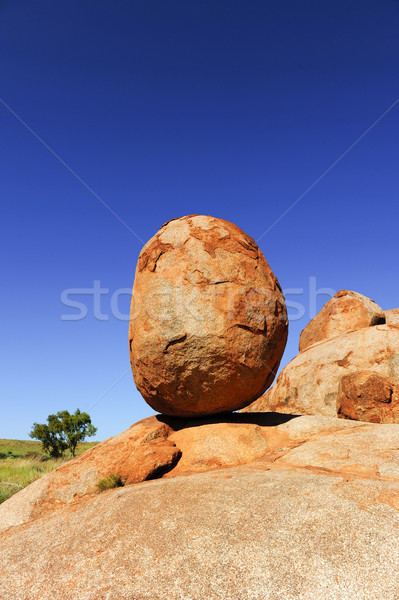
{"points": [[138, 454], [346, 311], [214, 445], [317, 516], [368, 396], [310, 383], [208, 319], [157, 447], [392, 317], [360, 450]]}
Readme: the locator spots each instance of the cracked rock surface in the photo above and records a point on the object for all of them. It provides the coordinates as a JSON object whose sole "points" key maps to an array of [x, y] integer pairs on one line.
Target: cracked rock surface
{"points": [[208, 320], [254, 506], [314, 381]]}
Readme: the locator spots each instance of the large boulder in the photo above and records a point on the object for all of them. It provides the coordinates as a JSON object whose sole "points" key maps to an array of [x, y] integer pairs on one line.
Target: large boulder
{"points": [[311, 382], [314, 515], [346, 311], [208, 319]]}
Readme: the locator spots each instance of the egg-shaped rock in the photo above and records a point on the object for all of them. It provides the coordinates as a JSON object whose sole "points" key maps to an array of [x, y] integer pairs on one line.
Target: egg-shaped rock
{"points": [[208, 322]]}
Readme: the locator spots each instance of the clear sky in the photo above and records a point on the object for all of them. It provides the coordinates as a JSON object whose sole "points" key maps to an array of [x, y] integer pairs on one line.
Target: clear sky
{"points": [[165, 108]]}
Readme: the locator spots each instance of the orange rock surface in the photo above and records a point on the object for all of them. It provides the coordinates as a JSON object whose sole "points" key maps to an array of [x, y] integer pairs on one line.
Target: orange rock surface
{"points": [[310, 383], [208, 319], [346, 311], [392, 317], [267, 506], [368, 396]]}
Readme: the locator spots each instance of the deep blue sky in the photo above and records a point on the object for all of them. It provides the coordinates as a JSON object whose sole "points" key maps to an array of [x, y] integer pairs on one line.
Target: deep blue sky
{"points": [[166, 108]]}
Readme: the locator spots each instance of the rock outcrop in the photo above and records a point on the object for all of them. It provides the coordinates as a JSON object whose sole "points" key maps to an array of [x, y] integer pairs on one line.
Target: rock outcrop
{"points": [[150, 449], [347, 366], [208, 319], [392, 317], [310, 383], [368, 396], [346, 311], [314, 513]]}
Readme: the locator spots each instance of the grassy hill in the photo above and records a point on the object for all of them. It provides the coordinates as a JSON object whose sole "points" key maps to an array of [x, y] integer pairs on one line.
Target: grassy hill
{"points": [[22, 461]]}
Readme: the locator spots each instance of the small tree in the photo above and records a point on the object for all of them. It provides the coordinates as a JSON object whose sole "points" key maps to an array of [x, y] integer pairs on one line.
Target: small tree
{"points": [[51, 436], [63, 431]]}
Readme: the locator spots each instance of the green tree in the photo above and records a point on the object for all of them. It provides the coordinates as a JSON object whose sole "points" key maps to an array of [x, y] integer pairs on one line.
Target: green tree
{"points": [[63, 431]]}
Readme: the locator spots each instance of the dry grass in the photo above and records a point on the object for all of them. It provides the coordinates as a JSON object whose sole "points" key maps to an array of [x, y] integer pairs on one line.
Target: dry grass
{"points": [[22, 462], [108, 483], [16, 473]]}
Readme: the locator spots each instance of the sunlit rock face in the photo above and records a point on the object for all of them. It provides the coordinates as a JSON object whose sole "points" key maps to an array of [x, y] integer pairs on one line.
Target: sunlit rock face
{"points": [[208, 320], [346, 311]]}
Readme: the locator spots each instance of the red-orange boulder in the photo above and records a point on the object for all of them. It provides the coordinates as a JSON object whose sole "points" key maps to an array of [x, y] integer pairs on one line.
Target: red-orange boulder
{"points": [[366, 361], [368, 396], [346, 311], [208, 319], [392, 317]]}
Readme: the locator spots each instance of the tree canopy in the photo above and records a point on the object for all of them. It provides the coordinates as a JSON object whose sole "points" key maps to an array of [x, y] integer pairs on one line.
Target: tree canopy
{"points": [[63, 431]]}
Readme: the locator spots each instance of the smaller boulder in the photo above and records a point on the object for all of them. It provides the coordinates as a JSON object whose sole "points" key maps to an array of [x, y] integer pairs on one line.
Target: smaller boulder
{"points": [[346, 311], [368, 396], [310, 383], [392, 317], [210, 445]]}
